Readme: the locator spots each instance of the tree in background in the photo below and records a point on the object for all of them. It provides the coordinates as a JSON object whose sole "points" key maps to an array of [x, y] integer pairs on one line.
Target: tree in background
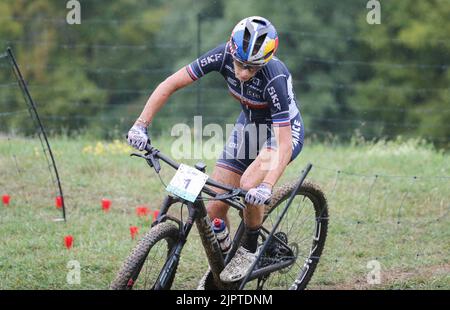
{"points": [[380, 80], [406, 91]]}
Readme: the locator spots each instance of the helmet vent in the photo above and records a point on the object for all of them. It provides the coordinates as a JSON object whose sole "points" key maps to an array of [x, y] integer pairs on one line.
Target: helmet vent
{"points": [[246, 40], [268, 54], [258, 43], [258, 21]]}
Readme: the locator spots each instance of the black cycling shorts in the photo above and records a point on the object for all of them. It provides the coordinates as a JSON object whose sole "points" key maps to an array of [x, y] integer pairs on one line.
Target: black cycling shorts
{"points": [[247, 139]]}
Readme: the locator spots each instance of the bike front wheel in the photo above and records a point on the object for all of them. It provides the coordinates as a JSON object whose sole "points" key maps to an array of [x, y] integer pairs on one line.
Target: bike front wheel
{"points": [[142, 267], [303, 228]]}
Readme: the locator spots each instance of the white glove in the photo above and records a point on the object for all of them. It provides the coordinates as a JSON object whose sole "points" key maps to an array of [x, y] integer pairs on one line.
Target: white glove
{"points": [[259, 195], [137, 137]]}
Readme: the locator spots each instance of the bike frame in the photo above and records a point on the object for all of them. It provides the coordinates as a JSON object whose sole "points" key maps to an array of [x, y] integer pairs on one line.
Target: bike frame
{"points": [[197, 214]]}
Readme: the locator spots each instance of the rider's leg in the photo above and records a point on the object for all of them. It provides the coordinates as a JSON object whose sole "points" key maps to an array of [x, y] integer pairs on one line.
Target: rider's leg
{"points": [[253, 215], [229, 168], [217, 208], [252, 177]]}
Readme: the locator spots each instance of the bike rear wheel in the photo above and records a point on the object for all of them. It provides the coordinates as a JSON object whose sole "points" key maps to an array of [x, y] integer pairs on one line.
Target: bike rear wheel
{"points": [[303, 228], [142, 267]]}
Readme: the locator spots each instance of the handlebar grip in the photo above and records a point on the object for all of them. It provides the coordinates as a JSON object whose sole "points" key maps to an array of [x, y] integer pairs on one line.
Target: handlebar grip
{"points": [[148, 146], [243, 193]]}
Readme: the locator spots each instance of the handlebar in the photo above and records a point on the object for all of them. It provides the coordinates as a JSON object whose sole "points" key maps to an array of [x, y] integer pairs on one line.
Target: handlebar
{"points": [[153, 155]]}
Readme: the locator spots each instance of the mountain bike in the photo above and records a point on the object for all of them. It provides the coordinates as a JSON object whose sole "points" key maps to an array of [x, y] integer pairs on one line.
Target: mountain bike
{"points": [[291, 240]]}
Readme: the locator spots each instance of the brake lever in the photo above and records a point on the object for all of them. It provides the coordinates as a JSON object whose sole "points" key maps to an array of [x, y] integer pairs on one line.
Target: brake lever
{"points": [[154, 162], [151, 160], [234, 194], [138, 155]]}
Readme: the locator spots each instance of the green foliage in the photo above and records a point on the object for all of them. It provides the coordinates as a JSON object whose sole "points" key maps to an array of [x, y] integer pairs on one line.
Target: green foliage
{"points": [[380, 80], [414, 35]]}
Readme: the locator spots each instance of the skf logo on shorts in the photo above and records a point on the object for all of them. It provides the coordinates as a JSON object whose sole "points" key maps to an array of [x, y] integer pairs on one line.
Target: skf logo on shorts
{"points": [[274, 96], [210, 59]]}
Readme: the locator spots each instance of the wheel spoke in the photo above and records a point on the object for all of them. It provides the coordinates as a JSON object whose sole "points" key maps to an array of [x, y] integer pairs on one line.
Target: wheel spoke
{"points": [[149, 267], [299, 211]]}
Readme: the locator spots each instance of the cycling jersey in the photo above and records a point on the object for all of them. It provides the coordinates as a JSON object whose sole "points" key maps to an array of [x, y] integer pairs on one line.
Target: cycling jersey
{"points": [[267, 100]]}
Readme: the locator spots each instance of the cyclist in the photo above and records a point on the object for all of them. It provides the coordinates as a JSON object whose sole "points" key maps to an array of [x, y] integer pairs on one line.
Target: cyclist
{"points": [[268, 133]]}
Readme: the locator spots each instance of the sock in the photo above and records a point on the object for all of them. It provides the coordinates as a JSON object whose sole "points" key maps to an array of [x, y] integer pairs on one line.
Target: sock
{"points": [[250, 239]]}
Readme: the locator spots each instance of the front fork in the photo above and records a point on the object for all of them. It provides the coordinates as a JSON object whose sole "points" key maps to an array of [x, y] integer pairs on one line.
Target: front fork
{"points": [[174, 257], [212, 248], [210, 243], [197, 213]]}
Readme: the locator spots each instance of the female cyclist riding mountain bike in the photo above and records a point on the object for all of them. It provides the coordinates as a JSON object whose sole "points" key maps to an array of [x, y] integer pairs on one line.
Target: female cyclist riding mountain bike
{"points": [[268, 133]]}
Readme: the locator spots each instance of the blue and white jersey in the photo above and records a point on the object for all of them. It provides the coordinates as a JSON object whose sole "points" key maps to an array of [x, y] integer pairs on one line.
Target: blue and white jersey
{"points": [[266, 98]]}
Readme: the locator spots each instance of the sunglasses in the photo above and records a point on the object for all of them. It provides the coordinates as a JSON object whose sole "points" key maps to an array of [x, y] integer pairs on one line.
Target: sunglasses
{"points": [[245, 66]]}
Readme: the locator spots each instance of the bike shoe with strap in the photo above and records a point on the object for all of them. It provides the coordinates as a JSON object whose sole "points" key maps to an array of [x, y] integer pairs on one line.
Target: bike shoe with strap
{"points": [[238, 266]]}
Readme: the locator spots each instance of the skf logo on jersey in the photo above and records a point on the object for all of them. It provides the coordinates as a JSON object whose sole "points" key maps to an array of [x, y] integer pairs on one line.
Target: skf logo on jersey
{"points": [[274, 96], [210, 59]]}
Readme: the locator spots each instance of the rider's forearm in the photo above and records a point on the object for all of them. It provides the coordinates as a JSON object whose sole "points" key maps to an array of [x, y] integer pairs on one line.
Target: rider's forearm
{"points": [[162, 93], [155, 102]]}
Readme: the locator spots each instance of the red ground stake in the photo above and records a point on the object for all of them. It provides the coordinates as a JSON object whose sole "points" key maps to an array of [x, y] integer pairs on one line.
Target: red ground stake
{"points": [[106, 204], [68, 241], [58, 202], [155, 215], [133, 231], [142, 211], [5, 199]]}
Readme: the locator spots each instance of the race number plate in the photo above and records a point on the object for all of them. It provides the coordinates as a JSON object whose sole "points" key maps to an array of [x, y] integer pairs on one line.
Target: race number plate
{"points": [[187, 182]]}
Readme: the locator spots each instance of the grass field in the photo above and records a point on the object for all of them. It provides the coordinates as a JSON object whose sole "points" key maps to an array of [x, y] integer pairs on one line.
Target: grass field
{"points": [[388, 202]]}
